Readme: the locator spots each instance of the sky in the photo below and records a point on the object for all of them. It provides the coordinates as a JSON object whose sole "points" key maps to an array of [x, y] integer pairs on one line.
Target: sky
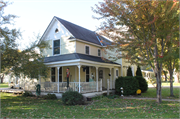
{"points": [[35, 15]]}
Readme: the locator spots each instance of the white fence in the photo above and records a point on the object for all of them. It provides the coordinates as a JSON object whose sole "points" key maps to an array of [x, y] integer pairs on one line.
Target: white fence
{"points": [[53, 86]]}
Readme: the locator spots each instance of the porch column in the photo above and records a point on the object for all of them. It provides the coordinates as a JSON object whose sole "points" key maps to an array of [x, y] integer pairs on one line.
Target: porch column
{"points": [[39, 79], [79, 67], [58, 79], [110, 79], [97, 78], [121, 70], [114, 76]]}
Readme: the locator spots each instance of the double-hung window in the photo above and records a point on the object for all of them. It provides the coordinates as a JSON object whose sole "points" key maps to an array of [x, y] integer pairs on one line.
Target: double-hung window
{"points": [[56, 48], [87, 50], [60, 74], [87, 74], [117, 73], [99, 52], [53, 74]]}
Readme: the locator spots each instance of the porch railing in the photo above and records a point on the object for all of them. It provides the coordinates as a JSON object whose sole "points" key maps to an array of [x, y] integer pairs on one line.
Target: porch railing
{"points": [[53, 86]]}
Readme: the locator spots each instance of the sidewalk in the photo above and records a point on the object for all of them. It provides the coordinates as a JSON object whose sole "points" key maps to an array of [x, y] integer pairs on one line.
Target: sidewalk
{"points": [[178, 100]]}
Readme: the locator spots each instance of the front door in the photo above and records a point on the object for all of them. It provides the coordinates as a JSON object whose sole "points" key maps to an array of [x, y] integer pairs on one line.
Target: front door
{"points": [[101, 76]]}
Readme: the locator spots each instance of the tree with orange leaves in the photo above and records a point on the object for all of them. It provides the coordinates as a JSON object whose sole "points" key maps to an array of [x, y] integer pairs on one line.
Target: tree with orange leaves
{"points": [[143, 28]]}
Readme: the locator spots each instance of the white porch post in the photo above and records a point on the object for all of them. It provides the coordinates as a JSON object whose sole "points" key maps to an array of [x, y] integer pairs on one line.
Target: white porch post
{"points": [[114, 76], [121, 70], [39, 79], [110, 79], [58, 79], [97, 78], [79, 67]]}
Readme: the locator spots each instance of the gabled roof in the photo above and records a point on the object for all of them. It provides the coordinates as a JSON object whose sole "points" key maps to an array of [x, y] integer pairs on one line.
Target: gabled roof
{"points": [[83, 34], [75, 56]]}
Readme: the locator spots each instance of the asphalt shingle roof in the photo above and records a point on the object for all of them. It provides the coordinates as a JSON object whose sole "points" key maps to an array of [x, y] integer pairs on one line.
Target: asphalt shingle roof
{"points": [[82, 33], [75, 56]]}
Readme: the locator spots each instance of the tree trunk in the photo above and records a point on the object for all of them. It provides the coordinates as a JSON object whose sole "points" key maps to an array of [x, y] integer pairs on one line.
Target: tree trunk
{"points": [[2, 78], [171, 82], [165, 76], [158, 79]]}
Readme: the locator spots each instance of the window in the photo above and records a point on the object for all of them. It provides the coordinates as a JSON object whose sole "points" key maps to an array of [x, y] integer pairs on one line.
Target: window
{"points": [[56, 31], [53, 74], [60, 74], [101, 74], [56, 47], [99, 52], [117, 73], [87, 74], [87, 50]]}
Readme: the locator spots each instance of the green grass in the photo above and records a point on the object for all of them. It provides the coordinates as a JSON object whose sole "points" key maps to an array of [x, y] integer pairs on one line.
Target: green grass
{"points": [[165, 92], [4, 85], [22, 107], [167, 84]]}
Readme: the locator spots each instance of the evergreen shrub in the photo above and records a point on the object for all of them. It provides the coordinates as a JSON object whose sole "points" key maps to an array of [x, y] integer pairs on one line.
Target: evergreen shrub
{"points": [[143, 85], [129, 84], [72, 98], [138, 71], [50, 96], [129, 71]]}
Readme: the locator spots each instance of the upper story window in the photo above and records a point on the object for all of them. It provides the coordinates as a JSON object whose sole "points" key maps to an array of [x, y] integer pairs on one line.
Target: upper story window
{"points": [[56, 49], [87, 50], [99, 52]]}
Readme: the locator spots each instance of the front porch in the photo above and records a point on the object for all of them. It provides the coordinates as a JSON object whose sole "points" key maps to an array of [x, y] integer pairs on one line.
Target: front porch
{"points": [[87, 74]]}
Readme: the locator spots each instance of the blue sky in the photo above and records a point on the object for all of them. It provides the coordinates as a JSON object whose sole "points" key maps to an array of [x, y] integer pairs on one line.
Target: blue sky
{"points": [[35, 15]]}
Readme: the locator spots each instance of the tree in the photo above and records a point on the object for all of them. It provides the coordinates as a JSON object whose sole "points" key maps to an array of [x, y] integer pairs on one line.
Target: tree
{"points": [[138, 71], [141, 31], [27, 62], [129, 71]]}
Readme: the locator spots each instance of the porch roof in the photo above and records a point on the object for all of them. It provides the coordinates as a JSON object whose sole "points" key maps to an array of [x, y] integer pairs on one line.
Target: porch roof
{"points": [[75, 56]]}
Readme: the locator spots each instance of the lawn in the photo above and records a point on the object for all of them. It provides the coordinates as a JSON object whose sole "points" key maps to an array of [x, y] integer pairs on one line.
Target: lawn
{"points": [[4, 85], [166, 84], [20, 107], [165, 92]]}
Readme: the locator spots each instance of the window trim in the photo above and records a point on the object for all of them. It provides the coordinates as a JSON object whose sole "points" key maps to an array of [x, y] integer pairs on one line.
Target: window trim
{"points": [[100, 52], [59, 47], [89, 49]]}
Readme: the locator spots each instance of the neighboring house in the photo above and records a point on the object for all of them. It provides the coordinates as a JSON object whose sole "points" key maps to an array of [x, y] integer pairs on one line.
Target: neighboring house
{"points": [[80, 50]]}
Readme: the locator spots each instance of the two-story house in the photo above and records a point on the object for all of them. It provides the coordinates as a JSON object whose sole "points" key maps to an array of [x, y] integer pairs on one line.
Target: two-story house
{"points": [[80, 50]]}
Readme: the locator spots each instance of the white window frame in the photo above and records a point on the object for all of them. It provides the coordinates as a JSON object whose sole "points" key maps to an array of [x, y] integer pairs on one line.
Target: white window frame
{"points": [[116, 73], [100, 52], [53, 47], [89, 49]]}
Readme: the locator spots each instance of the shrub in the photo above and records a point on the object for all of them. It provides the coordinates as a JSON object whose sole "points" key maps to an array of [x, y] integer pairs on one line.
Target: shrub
{"points": [[112, 96], [50, 96], [72, 98], [138, 71], [143, 85], [129, 71], [27, 93], [129, 84]]}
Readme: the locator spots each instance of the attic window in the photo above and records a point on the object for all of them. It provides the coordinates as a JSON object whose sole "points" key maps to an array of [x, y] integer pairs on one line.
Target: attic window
{"points": [[56, 31]]}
